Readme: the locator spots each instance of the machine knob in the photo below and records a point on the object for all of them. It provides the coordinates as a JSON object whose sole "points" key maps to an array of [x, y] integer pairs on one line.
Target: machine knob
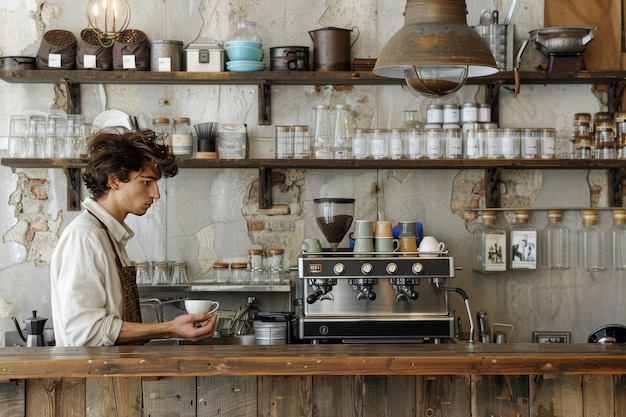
{"points": [[367, 268], [417, 268], [339, 268], [392, 268]]}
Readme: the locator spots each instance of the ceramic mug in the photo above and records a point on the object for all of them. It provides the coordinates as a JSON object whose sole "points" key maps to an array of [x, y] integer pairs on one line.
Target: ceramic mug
{"points": [[431, 244], [407, 244], [362, 229], [363, 245], [201, 306], [386, 244], [312, 245], [383, 228]]}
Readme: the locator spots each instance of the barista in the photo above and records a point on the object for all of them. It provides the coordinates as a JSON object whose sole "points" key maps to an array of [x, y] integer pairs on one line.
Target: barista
{"points": [[94, 293]]}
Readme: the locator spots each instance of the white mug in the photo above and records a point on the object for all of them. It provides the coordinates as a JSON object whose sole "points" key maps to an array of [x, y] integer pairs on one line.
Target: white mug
{"points": [[201, 306], [431, 244]]}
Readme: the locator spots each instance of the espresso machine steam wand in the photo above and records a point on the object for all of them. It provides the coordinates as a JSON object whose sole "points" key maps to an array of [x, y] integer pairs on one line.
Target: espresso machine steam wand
{"points": [[465, 299]]}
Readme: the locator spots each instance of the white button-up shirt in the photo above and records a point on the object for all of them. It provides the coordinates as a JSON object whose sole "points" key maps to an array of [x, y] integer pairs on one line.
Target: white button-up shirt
{"points": [[86, 291]]}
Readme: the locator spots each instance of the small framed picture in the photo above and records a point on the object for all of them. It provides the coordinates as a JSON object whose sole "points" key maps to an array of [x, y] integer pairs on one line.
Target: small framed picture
{"points": [[551, 337]]}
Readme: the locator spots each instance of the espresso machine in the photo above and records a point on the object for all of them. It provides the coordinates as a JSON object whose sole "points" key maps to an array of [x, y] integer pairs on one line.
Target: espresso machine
{"points": [[377, 297]]}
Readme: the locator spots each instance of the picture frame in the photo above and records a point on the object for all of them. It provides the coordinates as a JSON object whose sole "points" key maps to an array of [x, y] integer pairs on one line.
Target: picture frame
{"points": [[551, 337]]}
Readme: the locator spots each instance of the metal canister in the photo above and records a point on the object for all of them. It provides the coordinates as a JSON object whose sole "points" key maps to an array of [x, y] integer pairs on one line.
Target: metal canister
{"points": [[166, 55], [289, 58]]}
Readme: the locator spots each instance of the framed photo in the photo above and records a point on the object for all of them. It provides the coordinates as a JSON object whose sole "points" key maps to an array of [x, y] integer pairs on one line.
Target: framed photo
{"points": [[551, 337]]}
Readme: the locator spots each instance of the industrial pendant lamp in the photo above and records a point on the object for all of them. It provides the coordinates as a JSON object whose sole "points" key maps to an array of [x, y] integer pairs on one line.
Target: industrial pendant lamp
{"points": [[108, 18], [435, 51]]}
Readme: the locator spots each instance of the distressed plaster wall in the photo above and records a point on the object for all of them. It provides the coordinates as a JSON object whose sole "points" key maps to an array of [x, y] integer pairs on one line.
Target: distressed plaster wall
{"points": [[205, 215]]}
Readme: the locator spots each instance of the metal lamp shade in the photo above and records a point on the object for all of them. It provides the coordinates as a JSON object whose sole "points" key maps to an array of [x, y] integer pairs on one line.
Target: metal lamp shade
{"points": [[435, 51]]}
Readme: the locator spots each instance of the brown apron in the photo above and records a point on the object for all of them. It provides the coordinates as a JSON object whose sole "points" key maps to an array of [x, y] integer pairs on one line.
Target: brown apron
{"points": [[132, 309]]}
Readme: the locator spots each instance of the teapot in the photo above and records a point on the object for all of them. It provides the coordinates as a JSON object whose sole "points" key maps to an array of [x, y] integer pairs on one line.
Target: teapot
{"points": [[34, 330]]}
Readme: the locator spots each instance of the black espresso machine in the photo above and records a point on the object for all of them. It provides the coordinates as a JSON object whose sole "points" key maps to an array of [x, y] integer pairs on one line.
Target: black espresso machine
{"points": [[376, 297]]}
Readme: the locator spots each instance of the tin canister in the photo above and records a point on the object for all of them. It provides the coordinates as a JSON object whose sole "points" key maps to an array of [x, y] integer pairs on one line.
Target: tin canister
{"points": [[166, 55]]}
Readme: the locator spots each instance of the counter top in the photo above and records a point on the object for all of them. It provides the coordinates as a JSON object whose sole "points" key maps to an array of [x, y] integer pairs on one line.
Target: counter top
{"points": [[320, 359]]}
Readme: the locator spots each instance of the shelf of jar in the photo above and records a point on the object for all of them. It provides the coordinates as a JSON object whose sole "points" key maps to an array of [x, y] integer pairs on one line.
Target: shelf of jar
{"points": [[349, 163], [206, 287], [289, 77]]}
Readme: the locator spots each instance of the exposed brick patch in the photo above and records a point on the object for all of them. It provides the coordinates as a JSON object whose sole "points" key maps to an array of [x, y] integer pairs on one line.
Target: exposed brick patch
{"points": [[38, 188], [256, 226]]}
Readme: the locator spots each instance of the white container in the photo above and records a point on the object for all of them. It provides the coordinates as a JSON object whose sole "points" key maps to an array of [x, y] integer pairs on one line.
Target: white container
{"points": [[204, 57]]}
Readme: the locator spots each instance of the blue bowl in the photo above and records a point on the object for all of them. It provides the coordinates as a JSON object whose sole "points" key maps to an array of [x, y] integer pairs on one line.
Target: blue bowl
{"points": [[244, 66], [244, 53]]}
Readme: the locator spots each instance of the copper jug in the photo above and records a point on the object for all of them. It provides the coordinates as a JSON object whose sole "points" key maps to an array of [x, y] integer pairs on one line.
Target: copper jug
{"points": [[332, 48]]}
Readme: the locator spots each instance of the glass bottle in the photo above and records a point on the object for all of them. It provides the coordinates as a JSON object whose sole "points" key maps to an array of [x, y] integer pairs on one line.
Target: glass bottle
{"points": [[555, 244], [342, 145], [523, 243], [489, 245], [182, 138], [617, 240], [179, 276], [591, 243], [323, 134]]}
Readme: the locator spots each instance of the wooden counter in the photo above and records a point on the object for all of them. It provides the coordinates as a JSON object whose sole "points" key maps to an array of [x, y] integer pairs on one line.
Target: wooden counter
{"points": [[333, 380]]}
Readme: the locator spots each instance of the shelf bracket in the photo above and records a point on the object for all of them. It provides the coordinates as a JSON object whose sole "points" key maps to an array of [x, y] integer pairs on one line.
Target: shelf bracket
{"points": [[265, 188], [73, 188], [616, 182], [72, 92], [265, 103], [492, 187]]}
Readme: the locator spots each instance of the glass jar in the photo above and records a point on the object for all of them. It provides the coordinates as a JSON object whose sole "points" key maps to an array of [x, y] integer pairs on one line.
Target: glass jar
{"points": [[523, 243], [489, 245], [179, 275], [582, 143], [411, 120], [530, 143], [484, 113], [360, 144], [617, 240], [182, 138], [416, 143], [398, 143], [162, 129], [475, 144], [451, 114], [555, 243], [142, 273], [275, 258], [547, 143], [284, 142], [469, 113], [255, 259], [435, 145], [591, 243], [605, 144], [511, 142], [221, 273], [161, 273], [245, 30], [240, 274], [620, 133], [434, 114], [17, 136], [454, 143], [301, 142], [379, 144], [494, 143]]}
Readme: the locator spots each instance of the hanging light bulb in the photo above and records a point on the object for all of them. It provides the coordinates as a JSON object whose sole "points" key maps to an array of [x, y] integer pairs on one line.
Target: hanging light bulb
{"points": [[108, 18], [435, 51]]}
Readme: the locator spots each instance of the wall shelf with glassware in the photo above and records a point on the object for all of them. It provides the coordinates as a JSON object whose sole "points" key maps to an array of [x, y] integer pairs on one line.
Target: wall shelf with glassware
{"points": [[264, 79]]}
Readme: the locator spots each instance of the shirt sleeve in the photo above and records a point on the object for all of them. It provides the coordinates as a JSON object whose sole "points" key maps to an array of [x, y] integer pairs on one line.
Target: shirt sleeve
{"points": [[86, 288]]}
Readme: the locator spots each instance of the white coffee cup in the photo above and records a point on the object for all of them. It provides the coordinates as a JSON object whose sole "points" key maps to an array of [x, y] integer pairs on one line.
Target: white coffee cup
{"points": [[431, 244], [201, 306]]}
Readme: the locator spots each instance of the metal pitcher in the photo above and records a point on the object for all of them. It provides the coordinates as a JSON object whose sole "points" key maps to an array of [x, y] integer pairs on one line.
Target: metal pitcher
{"points": [[332, 48]]}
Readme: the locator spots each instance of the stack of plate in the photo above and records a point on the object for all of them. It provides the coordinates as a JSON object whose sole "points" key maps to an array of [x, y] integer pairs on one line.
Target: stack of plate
{"points": [[244, 56]]}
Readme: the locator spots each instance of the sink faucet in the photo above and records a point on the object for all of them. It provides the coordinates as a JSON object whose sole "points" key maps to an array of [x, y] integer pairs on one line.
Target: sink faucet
{"points": [[243, 320]]}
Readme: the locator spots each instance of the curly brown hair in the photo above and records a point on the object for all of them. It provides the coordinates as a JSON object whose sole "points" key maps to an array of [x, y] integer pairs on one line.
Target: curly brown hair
{"points": [[122, 152]]}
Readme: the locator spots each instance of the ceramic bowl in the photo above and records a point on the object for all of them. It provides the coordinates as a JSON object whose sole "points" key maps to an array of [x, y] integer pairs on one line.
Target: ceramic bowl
{"points": [[244, 53], [245, 66], [250, 44]]}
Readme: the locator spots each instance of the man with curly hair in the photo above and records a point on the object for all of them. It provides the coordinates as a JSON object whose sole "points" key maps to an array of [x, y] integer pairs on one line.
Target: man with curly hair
{"points": [[94, 293]]}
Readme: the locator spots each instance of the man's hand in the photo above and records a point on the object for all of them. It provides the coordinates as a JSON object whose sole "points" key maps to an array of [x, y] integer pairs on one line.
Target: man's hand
{"points": [[194, 327]]}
